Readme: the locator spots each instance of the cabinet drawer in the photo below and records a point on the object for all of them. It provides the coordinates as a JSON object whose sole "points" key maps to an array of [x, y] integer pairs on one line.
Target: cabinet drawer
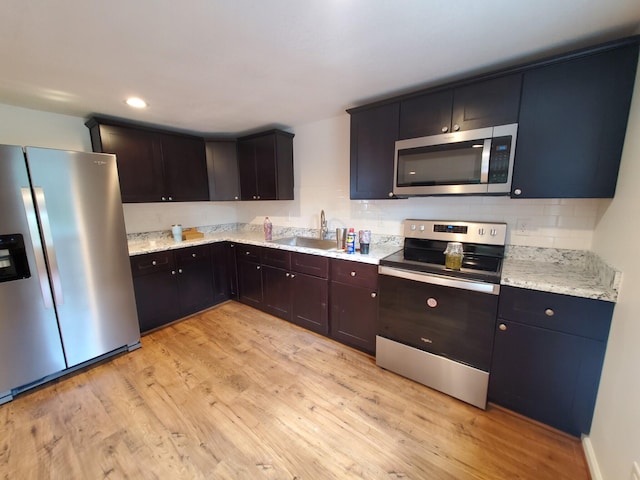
{"points": [[276, 258], [151, 262], [315, 265], [192, 254], [563, 313], [354, 273], [247, 252]]}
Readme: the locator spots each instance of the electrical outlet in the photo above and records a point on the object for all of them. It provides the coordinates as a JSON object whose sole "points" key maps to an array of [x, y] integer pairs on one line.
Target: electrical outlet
{"points": [[635, 472], [524, 226]]}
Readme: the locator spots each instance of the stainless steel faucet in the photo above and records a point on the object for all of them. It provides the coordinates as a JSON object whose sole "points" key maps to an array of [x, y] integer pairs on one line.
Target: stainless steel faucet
{"points": [[323, 225]]}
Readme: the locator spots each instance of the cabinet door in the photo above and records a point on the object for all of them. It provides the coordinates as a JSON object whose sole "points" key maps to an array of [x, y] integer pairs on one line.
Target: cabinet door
{"points": [[373, 135], [195, 286], [247, 170], [487, 103], [250, 283], [220, 272], [309, 302], [266, 173], [232, 270], [549, 376], [354, 315], [222, 169], [428, 114], [185, 168], [139, 159], [276, 287], [572, 125], [156, 299]]}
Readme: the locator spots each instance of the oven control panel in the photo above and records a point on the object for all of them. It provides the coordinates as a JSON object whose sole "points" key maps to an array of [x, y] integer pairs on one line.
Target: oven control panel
{"points": [[489, 233]]}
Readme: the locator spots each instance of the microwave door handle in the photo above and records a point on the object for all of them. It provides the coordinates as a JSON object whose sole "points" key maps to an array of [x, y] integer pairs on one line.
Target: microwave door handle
{"points": [[484, 165]]}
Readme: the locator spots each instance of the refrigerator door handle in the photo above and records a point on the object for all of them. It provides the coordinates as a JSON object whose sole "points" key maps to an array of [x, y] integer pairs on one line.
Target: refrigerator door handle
{"points": [[38, 252], [48, 242]]}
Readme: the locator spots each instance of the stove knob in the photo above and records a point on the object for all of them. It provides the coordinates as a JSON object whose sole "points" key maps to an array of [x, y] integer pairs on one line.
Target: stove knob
{"points": [[413, 227], [481, 231], [493, 232], [422, 228]]}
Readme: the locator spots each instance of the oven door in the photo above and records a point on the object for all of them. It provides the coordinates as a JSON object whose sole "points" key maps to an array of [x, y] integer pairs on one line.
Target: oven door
{"points": [[448, 317]]}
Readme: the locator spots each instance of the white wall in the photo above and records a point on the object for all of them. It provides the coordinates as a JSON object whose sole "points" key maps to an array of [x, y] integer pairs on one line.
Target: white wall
{"points": [[615, 434], [21, 126], [321, 165]]}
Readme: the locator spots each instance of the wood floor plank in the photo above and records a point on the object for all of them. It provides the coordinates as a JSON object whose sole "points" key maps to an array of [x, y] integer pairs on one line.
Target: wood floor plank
{"points": [[234, 393]]}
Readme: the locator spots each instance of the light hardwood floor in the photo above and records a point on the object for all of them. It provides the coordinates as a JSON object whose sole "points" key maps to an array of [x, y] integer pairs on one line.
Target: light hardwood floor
{"points": [[235, 393]]}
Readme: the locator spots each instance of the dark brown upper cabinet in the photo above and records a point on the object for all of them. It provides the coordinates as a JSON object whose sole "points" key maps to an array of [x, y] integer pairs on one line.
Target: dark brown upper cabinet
{"points": [[153, 165], [374, 132], [265, 164], [572, 126], [222, 168], [485, 103]]}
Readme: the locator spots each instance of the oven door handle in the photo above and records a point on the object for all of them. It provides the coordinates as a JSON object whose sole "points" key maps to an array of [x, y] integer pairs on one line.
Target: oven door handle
{"points": [[482, 287]]}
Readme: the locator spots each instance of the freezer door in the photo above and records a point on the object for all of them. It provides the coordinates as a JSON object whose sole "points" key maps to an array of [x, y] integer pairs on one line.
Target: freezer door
{"points": [[77, 195], [30, 346]]}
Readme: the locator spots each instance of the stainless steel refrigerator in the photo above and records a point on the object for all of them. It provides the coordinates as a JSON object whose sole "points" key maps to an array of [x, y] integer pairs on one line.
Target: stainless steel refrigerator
{"points": [[66, 291]]}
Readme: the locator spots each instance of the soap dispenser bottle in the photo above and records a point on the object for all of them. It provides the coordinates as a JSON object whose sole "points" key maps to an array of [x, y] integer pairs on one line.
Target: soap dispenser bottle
{"points": [[268, 229]]}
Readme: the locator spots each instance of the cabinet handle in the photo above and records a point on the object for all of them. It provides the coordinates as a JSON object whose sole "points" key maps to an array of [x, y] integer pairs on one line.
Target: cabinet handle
{"points": [[254, 197], [374, 294], [549, 312], [170, 199], [293, 276], [502, 327], [258, 267], [232, 245], [235, 198], [432, 302], [456, 128], [154, 263], [258, 197], [193, 255], [173, 272], [164, 199], [517, 191], [445, 129], [353, 274], [247, 253], [390, 195], [287, 274], [179, 270]]}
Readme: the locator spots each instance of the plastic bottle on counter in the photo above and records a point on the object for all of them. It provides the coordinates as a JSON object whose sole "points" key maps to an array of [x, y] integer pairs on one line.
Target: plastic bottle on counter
{"points": [[268, 229], [351, 241]]}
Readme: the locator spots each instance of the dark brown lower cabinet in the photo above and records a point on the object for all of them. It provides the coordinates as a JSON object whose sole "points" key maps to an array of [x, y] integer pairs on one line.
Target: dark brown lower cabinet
{"points": [[172, 284], [354, 304], [220, 272], [309, 302], [154, 284], [276, 284], [548, 355], [250, 283]]}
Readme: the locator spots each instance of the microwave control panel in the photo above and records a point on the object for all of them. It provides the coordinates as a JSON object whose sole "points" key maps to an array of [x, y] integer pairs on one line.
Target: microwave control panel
{"points": [[499, 159]]}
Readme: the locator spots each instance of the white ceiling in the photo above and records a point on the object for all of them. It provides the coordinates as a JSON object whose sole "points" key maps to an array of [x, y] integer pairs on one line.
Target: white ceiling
{"points": [[213, 66]]}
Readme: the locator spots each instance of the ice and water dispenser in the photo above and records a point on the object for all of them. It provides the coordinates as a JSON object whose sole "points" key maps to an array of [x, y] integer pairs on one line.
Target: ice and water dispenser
{"points": [[13, 258]]}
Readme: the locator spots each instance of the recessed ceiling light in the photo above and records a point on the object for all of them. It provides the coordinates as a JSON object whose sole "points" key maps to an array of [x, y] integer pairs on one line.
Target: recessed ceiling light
{"points": [[136, 102]]}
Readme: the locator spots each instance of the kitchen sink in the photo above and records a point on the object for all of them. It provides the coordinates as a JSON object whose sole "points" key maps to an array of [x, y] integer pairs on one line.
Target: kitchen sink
{"points": [[307, 242]]}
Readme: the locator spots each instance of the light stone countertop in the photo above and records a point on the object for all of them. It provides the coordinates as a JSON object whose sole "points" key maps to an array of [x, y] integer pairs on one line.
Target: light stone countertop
{"points": [[140, 244], [569, 272]]}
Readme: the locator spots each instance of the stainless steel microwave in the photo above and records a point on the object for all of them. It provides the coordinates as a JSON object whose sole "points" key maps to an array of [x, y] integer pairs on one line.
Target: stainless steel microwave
{"points": [[469, 162]]}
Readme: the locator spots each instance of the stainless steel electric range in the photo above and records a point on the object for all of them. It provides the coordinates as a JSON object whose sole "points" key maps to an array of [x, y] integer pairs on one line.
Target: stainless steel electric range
{"points": [[436, 325]]}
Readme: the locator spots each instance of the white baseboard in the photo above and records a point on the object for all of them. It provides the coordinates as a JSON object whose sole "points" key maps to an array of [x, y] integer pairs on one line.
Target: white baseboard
{"points": [[592, 461]]}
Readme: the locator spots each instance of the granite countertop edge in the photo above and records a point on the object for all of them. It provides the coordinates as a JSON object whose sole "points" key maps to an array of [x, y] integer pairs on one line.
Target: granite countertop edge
{"points": [[576, 273]]}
